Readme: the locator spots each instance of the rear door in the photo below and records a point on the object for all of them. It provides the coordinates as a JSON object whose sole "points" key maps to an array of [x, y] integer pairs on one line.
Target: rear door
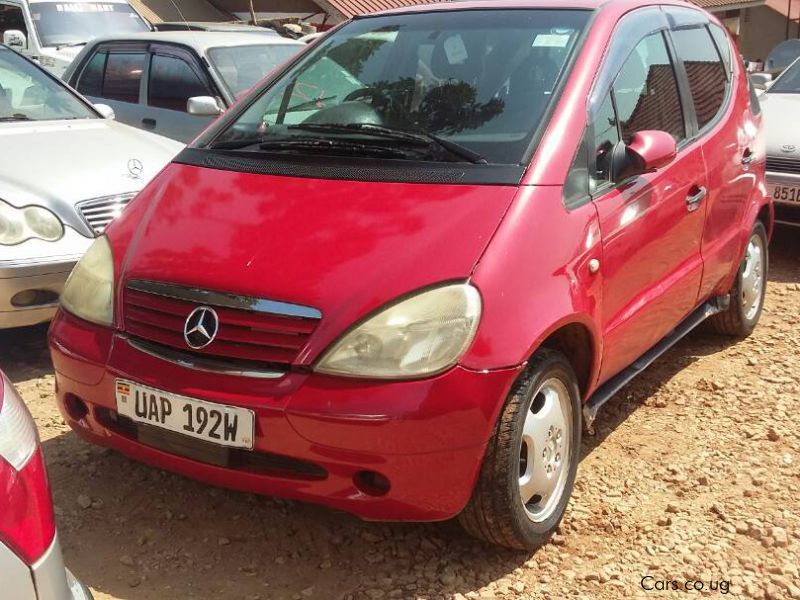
{"points": [[723, 126], [114, 75], [651, 225], [174, 76]]}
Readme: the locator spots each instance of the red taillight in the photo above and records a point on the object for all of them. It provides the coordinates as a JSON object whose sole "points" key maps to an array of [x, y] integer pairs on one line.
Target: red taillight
{"points": [[27, 524]]}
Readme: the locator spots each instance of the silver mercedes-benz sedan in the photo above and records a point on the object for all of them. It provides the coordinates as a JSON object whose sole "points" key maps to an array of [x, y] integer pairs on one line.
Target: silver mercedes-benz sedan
{"points": [[781, 106], [66, 170]]}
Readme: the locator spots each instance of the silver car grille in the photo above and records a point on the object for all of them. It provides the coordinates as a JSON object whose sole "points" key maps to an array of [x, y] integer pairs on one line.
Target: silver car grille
{"points": [[99, 212], [783, 164]]}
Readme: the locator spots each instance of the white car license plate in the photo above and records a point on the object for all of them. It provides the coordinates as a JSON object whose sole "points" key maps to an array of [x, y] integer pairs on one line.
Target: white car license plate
{"points": [[785, 193], [208, 421]]}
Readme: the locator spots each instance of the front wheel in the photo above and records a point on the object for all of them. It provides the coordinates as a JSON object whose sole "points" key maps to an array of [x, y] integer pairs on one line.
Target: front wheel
{"points": [[749, 289], [529, 469]]}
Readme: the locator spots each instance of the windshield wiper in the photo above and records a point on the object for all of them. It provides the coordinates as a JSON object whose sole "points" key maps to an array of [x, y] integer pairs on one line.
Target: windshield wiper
{"points": [[71, 45], [419, 137], [338, 146], [17, 117]]}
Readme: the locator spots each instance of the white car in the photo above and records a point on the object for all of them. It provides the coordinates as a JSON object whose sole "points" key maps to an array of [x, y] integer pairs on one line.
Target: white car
{"points": [[31, 565], [52, 33], [175, 82], [65, 173]]}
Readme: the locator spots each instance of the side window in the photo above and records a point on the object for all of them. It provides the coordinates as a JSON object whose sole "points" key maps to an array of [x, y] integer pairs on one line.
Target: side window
{"points": [[708, 79], [606, 137], [123, 76], [723, 44], [91, 80], [11, 17], [576, 186], [173, 82], [646, 91]]}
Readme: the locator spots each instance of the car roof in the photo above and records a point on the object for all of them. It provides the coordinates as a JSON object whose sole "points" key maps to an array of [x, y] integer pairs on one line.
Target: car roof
{"points": [[199, 40]]}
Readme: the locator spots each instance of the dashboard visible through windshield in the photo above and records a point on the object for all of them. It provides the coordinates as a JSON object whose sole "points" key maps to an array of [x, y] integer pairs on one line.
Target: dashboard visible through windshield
{"points": [[458, 86]]}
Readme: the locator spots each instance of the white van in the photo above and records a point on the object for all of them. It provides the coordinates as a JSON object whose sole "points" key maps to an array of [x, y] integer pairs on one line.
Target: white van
{"points": [[52, 33]]}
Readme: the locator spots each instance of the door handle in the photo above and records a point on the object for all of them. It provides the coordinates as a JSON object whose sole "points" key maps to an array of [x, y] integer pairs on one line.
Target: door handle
{"points": [[694, 199], [149, 123], [747, 158]]}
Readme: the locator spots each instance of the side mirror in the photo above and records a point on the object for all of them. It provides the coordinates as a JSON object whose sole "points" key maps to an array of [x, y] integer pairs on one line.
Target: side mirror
{"points": [[105, 111], [647, 151], [203, 106], [14, 38]]}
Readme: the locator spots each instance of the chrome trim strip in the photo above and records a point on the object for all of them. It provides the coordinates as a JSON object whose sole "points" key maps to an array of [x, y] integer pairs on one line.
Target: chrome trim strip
{"points": [[209, 365], [225, 300]]}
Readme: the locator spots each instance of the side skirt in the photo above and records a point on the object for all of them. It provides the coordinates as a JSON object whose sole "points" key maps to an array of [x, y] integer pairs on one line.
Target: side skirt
{"points": [[607, 391]]}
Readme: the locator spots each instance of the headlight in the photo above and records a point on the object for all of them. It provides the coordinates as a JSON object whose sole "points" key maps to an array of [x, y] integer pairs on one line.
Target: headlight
{"points": [[89, 291], [20, 224], [421, 335]]}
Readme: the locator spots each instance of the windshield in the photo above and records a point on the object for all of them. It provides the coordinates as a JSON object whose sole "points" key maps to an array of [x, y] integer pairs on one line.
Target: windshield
{"points": [[70, 23], [28, 94], [450, 85], [782, 55], [788, 82], [241, 67]]}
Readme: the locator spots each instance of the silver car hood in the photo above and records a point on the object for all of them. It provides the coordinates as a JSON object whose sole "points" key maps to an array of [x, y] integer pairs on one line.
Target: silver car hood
{"points": [[781, 123], [60, 163]]}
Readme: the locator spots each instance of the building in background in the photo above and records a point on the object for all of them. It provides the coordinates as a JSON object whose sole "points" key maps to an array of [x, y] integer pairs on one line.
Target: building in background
{"points": [[756, 25]]}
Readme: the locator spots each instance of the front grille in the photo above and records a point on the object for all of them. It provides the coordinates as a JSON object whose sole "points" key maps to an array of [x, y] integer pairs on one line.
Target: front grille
{"points": [[254, 330], [783, 165], [99, 213]]}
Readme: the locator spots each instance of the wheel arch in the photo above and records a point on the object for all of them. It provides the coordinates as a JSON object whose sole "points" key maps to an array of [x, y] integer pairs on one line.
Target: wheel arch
{"points": [[576, 338]]}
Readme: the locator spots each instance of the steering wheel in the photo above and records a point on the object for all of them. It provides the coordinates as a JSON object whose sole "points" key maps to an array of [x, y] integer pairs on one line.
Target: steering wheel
{"points": [[358, 94]]}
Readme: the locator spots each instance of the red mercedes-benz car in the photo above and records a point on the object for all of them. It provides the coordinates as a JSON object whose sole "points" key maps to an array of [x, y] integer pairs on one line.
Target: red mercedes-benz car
{"points": [[400, 275]]}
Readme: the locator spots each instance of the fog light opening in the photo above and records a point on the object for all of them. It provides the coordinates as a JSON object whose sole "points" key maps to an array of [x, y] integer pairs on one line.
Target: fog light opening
{"points": [[29, 298], [371, 483], [75, 407]]}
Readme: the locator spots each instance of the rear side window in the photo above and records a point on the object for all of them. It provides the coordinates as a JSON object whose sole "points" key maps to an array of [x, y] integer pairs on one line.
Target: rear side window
{"points": [[724, 46], [123, 76], [646, 91], [91, 81], [708, 79], [173, 82]]}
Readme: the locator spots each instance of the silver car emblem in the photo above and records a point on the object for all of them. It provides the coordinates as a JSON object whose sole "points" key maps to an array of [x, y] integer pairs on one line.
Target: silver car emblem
{"points": [[788, 148], [201, 327], [135, 168]]}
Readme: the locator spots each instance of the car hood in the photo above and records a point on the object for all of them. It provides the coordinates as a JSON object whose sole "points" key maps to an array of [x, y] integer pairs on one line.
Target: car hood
{"points": [[781, 123], [343, 247], [60, 163]]}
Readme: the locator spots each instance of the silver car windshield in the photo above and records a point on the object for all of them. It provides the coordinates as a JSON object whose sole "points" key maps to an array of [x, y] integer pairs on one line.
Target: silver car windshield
{"points": [[241, 67], [28, 94], [456, 85], [788, 82], [74, 23]]}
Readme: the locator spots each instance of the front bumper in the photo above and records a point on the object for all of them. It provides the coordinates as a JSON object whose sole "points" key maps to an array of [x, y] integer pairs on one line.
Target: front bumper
{"points": [[45, 277], [315, 435], [785, 212]]}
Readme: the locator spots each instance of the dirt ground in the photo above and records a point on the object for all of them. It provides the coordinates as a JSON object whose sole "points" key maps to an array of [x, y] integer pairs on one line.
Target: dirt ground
{"points": [[693, 477]]}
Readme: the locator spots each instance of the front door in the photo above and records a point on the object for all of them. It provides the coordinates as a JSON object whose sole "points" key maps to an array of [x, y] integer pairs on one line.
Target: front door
{"points": [[651, 225], [175, 76]]}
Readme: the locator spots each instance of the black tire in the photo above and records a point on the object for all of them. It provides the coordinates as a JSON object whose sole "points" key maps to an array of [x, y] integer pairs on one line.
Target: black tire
{"points": [[495, 512], [734, 321]]}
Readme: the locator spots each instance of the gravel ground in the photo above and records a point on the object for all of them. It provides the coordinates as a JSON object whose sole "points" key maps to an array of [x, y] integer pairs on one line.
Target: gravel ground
{"points": [[693, 476]]}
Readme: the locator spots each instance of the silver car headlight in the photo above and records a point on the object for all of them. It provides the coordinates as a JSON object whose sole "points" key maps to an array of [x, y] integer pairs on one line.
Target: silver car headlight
{"points": [[418, 336], [31, 222], [89, 291]]}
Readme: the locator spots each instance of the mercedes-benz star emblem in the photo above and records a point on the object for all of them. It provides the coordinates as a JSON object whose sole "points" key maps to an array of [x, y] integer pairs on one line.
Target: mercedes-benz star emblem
{"points": [[201, 327], [788, 148], [135, 168]]}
